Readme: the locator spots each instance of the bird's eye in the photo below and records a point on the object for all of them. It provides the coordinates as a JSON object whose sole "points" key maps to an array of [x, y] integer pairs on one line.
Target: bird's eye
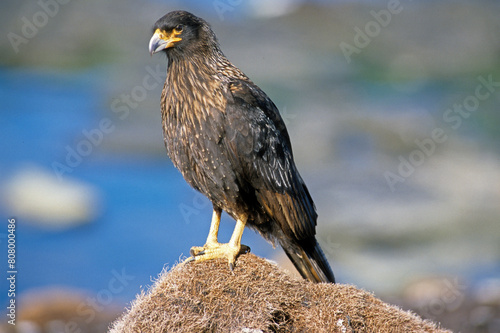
{"points": [[178, 28]]}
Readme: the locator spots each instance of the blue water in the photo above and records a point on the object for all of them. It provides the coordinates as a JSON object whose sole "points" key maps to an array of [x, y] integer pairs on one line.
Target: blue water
{"points": [[140, 227]]}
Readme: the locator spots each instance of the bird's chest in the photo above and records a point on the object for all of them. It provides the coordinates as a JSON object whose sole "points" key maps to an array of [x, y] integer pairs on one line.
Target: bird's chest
{"points": [[193, 124]]}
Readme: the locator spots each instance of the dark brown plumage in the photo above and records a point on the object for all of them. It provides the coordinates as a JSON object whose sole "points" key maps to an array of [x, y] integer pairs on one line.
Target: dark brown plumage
{"points": [[230, 143]]}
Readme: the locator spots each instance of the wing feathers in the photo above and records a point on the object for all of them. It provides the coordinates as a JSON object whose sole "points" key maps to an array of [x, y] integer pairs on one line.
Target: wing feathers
{"points": [[260, 148]]}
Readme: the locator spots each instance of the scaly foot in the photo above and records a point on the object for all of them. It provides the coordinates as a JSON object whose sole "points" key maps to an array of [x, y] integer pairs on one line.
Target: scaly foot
{"points": [[217, 250]]}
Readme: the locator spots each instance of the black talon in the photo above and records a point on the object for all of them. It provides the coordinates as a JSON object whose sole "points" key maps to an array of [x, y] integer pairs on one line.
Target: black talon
{"points": [[193, 254], [244, 249]]}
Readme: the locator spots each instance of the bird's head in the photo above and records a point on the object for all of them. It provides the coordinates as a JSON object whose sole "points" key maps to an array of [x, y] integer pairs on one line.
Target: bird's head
{"points": [[180, 32]]}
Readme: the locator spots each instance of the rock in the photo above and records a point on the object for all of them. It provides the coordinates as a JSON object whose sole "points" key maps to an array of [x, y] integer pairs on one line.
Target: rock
{"points": [[60, 310], [39, 196], [259, 297]]}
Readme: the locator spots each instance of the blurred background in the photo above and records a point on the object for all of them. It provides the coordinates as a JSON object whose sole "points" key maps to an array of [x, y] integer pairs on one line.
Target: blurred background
{"points": [[392, 109]]}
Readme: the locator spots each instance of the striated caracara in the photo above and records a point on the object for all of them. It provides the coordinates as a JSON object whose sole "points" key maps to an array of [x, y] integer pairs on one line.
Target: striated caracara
{"points": [[230, 143]]}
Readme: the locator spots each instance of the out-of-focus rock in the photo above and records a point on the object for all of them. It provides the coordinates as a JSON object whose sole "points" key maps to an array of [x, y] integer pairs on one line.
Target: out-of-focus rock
{"points": [[38, 196], [55, 310], [455, 304]]}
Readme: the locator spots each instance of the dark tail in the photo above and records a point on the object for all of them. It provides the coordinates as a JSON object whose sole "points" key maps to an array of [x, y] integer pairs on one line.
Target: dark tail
{"points": [[308, 258]]}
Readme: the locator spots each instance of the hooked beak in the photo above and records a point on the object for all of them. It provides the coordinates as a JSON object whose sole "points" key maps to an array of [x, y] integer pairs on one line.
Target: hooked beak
{"points": [[162, 40]]}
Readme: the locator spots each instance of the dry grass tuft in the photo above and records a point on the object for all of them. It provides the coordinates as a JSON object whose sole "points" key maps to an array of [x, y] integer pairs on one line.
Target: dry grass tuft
{"points": [[259, 297]]}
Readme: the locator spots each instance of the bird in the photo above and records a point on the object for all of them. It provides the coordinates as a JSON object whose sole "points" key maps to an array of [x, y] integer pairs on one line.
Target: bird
{"points": [[229, 141]]}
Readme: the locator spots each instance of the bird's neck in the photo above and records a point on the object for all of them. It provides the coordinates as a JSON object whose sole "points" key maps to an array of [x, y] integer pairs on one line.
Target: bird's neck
{"points": [[201, 63], [193, 83], [212, 65]]}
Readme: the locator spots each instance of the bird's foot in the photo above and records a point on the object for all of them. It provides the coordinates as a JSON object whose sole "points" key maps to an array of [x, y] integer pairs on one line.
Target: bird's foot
{"points": [[217, 250]]}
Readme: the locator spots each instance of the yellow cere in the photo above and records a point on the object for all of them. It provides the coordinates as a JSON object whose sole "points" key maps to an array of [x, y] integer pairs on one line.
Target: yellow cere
{"points": [[169, 37]]}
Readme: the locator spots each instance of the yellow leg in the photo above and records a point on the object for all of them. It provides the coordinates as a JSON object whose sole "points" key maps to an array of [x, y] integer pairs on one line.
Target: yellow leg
{"points": [[212, 241], [235, 240], [213, 249], [214, 227]]}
